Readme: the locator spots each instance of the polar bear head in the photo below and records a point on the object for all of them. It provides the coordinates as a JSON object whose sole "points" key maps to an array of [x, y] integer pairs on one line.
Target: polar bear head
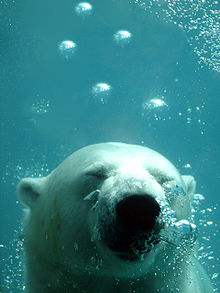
{"points": [[102, 210]]}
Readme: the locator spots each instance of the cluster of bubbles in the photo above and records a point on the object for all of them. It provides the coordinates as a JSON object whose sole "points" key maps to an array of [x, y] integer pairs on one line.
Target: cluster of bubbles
{"points": [[12, 273], [176, 233], [14, 173], [193, 115], [199, 19], [41, 106], [209, 229], [12, 266], [185, 231]]}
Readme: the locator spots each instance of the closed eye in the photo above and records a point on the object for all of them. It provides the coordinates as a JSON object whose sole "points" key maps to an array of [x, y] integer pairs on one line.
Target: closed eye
{"points": [[160, 175], [163, 179], [97, 171]]}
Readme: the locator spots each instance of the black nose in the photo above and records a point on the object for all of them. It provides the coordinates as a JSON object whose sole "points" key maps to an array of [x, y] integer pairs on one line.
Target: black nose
{"points": [[137, 213], [136, 227]]}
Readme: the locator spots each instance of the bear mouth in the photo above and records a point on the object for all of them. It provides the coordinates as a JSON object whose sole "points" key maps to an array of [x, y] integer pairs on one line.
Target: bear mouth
{"points": [[134, 248]]}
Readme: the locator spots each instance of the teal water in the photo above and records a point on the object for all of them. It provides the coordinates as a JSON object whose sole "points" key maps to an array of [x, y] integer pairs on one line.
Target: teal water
{"points": [[143, 72]]}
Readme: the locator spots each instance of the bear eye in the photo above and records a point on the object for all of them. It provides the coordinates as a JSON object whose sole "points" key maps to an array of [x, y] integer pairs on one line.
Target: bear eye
{"points": [[99, 172], [163, 179]]}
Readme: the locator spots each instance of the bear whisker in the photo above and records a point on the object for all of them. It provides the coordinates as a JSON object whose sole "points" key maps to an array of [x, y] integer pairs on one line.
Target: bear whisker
{"points": [[92, 195]]}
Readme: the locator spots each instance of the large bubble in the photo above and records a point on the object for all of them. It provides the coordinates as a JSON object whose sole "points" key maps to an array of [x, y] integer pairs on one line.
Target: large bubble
{"points": [[154, 103], [155, 108], [67, 48], [83, 9], [101, 92], [122, 37]]}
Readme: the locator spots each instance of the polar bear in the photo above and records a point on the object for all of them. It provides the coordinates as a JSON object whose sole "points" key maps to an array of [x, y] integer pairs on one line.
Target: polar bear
{"points": [[112, 217]]}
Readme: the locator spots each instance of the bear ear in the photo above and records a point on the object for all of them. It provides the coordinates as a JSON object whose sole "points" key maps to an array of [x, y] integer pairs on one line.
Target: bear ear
{"points": [[190, 184], [29, 190]]}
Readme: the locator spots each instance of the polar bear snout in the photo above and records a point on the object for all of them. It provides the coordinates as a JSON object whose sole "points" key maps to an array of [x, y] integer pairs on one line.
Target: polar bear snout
{"points": [[136, 227], [137, 213]]}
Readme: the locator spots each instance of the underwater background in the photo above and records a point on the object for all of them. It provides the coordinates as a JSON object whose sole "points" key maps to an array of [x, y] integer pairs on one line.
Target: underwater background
{"points": [[75, 73]]}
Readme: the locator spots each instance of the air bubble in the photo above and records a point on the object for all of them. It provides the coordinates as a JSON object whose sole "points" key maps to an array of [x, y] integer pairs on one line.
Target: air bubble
{"points": [[83, 9], [173, 190], [76, 246], [198, 197], [187, 166], [122, 37], [209, 223], [101, 92], [67, 48], [154, 103], [155, 108], [215, 275]]}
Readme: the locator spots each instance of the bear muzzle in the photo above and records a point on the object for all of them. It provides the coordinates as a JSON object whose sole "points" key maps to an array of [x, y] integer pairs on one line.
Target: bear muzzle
{"points": [[135, 228]]}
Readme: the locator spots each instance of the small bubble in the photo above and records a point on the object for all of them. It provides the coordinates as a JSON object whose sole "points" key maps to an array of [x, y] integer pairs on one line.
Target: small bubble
{"points": [[83, 9], [67, 48], [189, 110], [18, 167], [187, 166], [209, 223], [101, 91], [215, 275], [209, 210], [122, 37], [188, 120], [206, 238], [76, 246]]}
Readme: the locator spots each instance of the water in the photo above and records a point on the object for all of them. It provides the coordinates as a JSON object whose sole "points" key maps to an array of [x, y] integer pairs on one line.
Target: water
{"points": [[68, 78]]}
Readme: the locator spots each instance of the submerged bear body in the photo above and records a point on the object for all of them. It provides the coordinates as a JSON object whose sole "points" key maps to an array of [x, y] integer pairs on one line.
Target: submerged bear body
{"points": [[105, 220]]}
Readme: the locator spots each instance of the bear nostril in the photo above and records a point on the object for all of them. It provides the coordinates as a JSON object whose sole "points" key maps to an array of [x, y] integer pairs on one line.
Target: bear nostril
{"points": [[137, 213]]}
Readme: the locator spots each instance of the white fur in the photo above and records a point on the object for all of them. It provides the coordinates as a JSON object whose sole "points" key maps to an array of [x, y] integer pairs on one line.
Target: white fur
{"points": [[63, 249]]}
